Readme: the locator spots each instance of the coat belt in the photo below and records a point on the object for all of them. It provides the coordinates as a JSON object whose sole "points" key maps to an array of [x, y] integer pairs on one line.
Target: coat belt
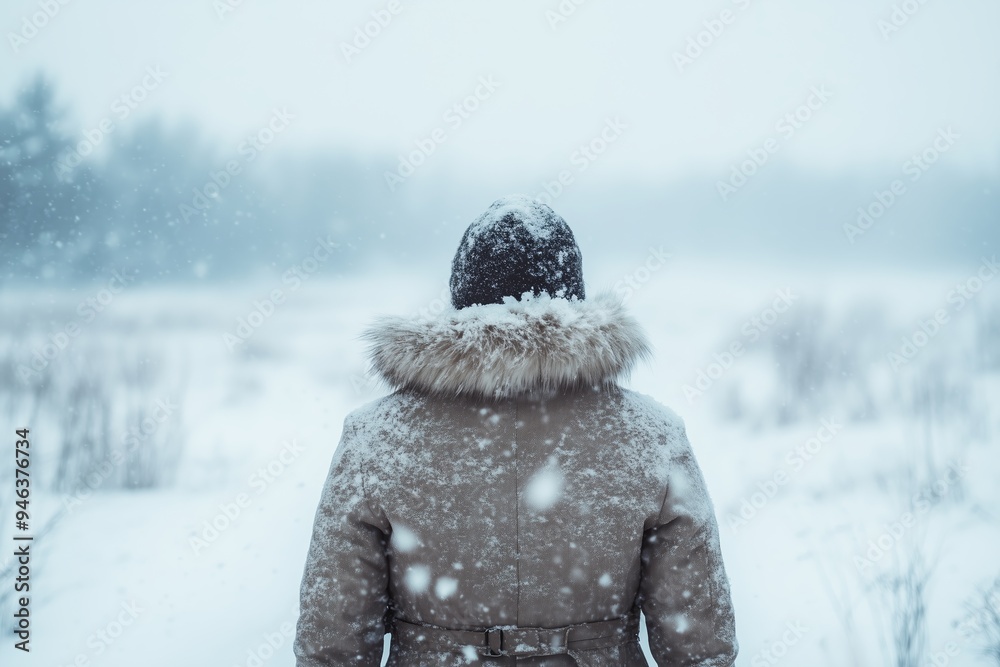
{"points": [[518, 641]]}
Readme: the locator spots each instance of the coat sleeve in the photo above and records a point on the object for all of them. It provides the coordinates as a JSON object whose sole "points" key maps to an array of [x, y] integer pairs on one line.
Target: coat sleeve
{"points": [[344, 598], [684, 590]]}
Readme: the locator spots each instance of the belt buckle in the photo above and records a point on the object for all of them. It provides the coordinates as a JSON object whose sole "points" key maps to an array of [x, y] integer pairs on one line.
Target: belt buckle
{"points": [[494, 642]]}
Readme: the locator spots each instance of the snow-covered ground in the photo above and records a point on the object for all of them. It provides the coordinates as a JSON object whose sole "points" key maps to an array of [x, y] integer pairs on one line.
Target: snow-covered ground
{"points": [[832, 465]]}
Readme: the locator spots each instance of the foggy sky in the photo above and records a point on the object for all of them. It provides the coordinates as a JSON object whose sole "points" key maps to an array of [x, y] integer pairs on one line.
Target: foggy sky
{"points": [[558, 83]]}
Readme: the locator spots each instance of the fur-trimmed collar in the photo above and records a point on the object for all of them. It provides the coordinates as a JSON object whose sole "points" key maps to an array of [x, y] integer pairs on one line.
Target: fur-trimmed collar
{"points": [[538, 344]]}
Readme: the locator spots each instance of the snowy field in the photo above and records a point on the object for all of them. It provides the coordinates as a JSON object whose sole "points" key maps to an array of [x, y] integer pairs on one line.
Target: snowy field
{"points": [[856, 490]]}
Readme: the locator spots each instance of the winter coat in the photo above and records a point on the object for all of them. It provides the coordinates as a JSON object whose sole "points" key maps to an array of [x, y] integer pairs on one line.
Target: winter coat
{"points": [[511, 481]]}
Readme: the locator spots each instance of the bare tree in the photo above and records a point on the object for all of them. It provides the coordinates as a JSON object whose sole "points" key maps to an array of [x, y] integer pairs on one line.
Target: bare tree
{"points": [[982, 622]]}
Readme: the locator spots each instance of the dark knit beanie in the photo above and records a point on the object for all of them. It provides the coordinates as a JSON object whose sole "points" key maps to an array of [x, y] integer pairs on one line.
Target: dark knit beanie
{"points": [[518, 245]]}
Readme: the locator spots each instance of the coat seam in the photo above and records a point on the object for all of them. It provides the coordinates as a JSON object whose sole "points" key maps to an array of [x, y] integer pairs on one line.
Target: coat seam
{"points": [[666, 492], [517, 528], [364, 489]]}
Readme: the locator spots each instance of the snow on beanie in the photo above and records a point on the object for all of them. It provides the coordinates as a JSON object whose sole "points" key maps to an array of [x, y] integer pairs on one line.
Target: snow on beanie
{"points": [[518, 245]]}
